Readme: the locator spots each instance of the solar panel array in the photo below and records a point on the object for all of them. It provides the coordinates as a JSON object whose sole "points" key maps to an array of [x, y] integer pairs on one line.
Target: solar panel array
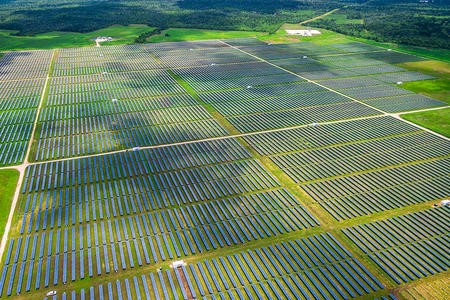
{"points": [[111, 98], [407, 247], [89, 217], [199, 190], [369, 68], [361, 167], [22, 81], [318, 266], [258, 96]]}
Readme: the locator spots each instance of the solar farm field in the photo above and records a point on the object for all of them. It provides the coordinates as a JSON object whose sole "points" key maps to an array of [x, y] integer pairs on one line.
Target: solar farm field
{"points": [[317, 267], [259, 98], [22, 81], [407, 247], [361, 167], [107, 99], [362, 72], [218, 169], [87, 217]]}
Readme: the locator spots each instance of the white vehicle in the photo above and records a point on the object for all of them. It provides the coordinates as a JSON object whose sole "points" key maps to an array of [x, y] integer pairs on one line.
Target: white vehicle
{"points": [[136, 148], [51, 293], [445, 202]]}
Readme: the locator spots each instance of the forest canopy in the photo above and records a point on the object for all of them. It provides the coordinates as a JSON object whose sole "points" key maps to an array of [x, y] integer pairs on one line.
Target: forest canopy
{"points": [[404, 22], [37, 16]]}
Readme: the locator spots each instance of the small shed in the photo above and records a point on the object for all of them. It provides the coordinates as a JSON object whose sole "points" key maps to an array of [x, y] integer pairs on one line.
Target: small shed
{"points": [[178, 263]]}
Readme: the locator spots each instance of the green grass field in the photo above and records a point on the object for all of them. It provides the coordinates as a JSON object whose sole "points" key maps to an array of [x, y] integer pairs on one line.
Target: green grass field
{"points": [[436, 68], [341, 18], [426, 289], [127, 35], [281, 37], [183, 34], [50, 40], [8, 181], [437, 88], [436, 120]]}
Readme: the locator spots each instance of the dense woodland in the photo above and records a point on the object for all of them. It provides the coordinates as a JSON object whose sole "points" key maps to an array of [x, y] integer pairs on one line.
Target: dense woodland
{"points": [[38, 16], [402, 21], [405, 22]]}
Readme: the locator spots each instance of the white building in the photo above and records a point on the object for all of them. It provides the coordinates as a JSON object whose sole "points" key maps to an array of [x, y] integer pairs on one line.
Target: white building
{"points": [[307, 32], [178, 263]]}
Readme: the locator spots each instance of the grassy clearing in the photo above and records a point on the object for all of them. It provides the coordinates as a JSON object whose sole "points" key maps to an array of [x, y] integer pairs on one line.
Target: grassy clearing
{"points": [[438, 288], [436, 120], [342, 18], [8, 182], [281, 37], [432, 67], [184, 34], [324, 218], [50, 40], [438, 88]]}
